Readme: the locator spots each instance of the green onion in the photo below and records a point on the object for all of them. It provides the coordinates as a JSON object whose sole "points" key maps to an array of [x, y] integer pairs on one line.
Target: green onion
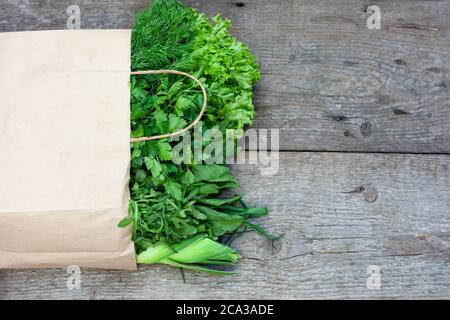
{"points": [[191, 254]]}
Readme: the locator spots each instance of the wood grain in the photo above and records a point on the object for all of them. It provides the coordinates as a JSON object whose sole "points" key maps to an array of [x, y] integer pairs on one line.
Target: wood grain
{"points": [[340, 213], [329, 83]]}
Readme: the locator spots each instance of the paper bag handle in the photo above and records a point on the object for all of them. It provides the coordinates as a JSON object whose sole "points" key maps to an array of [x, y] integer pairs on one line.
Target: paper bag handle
{"points": [[194, 123]]}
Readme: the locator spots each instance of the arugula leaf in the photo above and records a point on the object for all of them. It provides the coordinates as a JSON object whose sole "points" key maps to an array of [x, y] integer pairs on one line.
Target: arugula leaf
{"points": [[222, 223], [220, 202], [212, 173]]}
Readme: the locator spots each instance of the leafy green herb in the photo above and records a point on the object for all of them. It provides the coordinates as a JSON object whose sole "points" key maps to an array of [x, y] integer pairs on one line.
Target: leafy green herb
{"points": [[177, 211]]}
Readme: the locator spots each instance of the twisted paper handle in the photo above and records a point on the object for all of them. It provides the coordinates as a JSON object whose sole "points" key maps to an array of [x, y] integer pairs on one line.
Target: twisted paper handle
{"points": [[194, 123]]}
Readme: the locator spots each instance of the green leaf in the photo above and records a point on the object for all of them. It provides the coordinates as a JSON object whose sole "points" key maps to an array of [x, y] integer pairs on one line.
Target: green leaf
{"points": [[140, 175], [175, 89], [139, 93], [261, 231], [219, 202], [148, 162], [160, 116], [125, 222], [198, 215], [183, 104], [257, 212], [136, 153], [164, 150], [188, 177], [174, 189], [139, 132], [212, 173], [153, 165], [207, 189], [222, 223], [176, 123]]}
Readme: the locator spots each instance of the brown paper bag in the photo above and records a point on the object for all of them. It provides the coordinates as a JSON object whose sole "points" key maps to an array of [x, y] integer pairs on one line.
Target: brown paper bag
{"points": [[64, 149]]}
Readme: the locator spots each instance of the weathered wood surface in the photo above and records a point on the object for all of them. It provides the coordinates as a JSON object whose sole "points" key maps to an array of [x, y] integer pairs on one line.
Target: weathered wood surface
{"points": [[340, 213], [328, 82]]}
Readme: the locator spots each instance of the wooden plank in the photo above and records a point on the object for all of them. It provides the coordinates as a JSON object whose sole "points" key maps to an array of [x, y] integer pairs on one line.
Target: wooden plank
{"points": [[328, 82], [340, 213]]}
